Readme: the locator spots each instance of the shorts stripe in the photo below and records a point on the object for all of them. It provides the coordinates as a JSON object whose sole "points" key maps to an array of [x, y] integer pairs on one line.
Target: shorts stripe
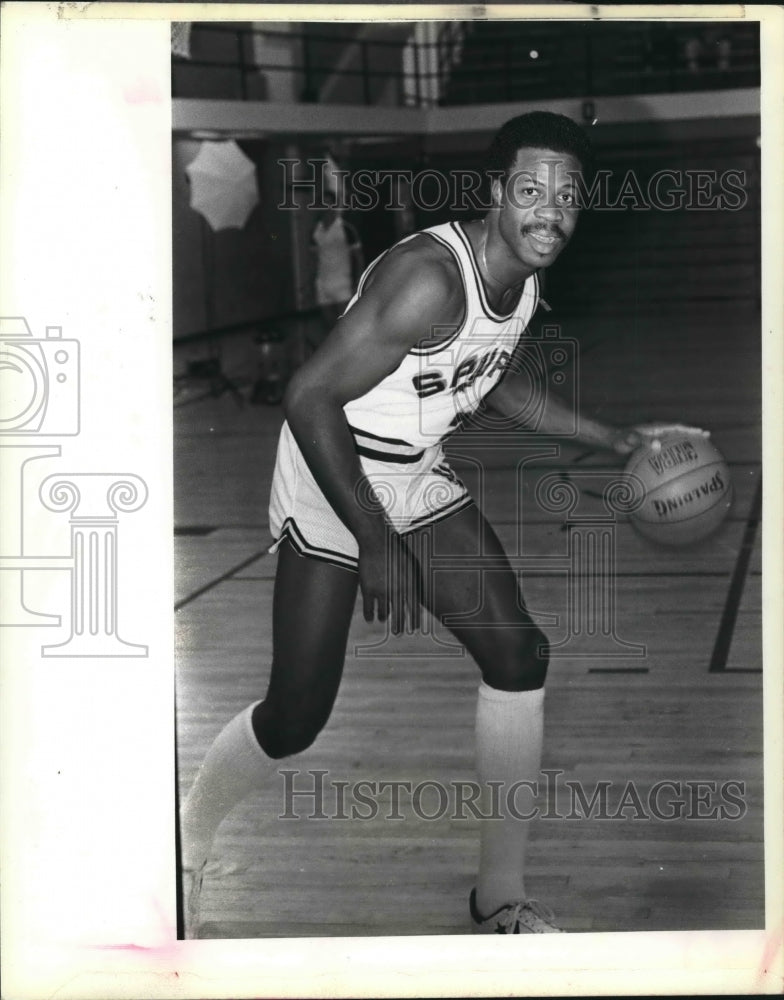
{"points": [[291, 532], [299, 511], [439, 515]]}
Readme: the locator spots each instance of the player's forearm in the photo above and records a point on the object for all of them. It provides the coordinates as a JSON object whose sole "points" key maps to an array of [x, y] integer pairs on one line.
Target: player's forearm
{"points": [[596, 433], [561, 420], [321, 431], [554, 417]]}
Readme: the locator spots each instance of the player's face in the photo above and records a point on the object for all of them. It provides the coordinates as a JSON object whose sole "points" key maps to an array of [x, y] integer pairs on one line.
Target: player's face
{"points": [[538, 205]]}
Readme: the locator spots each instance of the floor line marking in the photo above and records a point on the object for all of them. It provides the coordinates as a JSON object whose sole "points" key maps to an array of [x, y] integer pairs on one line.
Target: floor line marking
{"points": [[220, 579], [721, 647]]}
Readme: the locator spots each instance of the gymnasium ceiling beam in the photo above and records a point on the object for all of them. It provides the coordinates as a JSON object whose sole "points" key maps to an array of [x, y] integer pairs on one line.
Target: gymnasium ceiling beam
{"points": [[264, 119]]}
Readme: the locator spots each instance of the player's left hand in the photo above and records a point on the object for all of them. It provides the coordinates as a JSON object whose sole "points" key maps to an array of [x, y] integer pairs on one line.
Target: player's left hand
{"points": [[629, 439]]}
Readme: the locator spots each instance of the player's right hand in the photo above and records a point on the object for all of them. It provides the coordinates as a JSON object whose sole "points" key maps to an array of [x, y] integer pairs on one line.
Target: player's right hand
{"points": [[389, 580], [656, 431], [629, 439]]}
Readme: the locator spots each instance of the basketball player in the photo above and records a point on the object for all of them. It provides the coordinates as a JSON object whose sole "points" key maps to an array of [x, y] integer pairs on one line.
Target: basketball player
{"points": [[337, 251], [427, 338]]}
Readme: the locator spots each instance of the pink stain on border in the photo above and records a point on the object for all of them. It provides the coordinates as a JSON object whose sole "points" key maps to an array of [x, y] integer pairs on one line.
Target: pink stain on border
{"points": [[169, 945], [772, 947], [142, 90]]}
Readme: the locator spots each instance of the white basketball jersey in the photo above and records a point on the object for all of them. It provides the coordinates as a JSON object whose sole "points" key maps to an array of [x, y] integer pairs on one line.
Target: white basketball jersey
{"points": [[436, 385], [333, 261]]}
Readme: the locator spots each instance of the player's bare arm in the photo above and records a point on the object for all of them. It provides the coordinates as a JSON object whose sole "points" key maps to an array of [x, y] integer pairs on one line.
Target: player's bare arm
{"points": [[511, 397], [556, 417], [410, 291]]}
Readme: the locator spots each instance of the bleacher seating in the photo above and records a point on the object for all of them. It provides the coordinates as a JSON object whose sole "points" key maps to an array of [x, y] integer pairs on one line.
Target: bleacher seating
{"points": [[537, 60]]}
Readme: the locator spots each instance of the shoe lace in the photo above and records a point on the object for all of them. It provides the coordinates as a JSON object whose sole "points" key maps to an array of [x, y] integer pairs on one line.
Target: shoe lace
{"points": [[532, 914]]}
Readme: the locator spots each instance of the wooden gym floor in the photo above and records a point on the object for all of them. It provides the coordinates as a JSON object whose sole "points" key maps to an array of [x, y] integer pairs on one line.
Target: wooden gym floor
{"points": [[688, 711]]}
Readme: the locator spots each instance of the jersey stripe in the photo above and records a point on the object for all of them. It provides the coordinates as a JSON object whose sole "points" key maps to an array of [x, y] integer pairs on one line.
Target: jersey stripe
{"points": [[374, 264], [441, 344], [480, 287], [387, 456], [436, 385], [377, 437]]}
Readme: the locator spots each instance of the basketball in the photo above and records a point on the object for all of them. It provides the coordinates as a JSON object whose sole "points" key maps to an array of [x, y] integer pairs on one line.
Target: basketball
{"points": [[687, 489]]}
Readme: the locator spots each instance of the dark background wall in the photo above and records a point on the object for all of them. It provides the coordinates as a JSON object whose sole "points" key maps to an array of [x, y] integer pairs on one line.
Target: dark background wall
{"points": [[251, 274], [623, 251], [653, 258]]}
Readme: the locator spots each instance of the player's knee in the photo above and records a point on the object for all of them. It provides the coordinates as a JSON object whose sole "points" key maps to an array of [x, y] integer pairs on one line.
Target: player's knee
{"points": [[280, 734], [521, 664], [279, 744]]}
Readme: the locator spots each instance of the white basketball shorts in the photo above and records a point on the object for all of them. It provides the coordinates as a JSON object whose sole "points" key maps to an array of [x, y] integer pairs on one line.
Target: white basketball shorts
{"points": [[415, 488]]}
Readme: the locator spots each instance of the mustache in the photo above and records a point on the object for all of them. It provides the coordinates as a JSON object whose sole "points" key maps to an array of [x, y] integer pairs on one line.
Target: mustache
{"points": [[543, 230]]}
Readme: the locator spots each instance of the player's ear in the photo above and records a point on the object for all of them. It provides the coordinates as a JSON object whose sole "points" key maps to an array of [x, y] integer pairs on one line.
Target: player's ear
{"points": [[497, 191]]}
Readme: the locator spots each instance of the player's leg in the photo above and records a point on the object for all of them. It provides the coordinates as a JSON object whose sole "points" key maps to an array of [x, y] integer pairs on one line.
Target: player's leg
{"points": [[312, 607], [484, 609], [483, 606]]}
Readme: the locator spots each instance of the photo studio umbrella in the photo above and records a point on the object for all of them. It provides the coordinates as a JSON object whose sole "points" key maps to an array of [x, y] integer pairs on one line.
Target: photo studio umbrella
{"points": [[224, 192], [223, 185]]}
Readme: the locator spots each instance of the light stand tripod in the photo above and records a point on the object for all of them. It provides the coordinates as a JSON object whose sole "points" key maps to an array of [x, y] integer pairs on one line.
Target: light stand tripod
{"points": [[211, 367]]}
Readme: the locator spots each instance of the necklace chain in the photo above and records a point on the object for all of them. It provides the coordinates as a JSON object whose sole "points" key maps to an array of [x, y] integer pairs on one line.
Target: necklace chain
{"points": [[490, 275]]}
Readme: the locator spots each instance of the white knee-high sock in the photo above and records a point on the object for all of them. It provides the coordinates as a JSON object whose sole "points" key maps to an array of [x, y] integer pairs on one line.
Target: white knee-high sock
{"points": [[234, 766], [509, 734]]}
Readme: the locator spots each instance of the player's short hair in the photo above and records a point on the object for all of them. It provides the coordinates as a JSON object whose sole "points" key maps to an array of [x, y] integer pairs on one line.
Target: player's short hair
{"points": [[539, 130]]}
